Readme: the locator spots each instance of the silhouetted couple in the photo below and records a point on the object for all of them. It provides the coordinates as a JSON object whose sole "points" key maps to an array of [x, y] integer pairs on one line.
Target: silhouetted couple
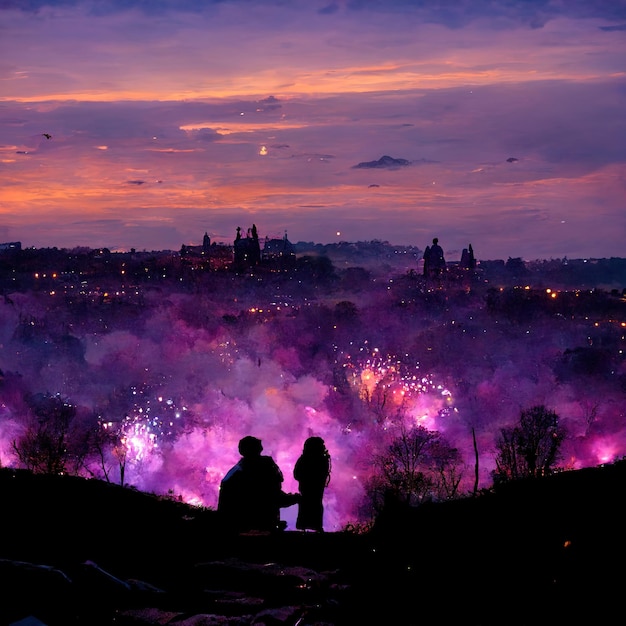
{"points": [[251, 493]]}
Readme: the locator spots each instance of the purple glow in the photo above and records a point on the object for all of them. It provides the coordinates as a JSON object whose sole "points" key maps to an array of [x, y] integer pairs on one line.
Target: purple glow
{"points": [[178, 377]]}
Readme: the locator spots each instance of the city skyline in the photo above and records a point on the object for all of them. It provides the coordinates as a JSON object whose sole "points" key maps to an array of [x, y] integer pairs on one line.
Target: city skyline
{"points": [[126, 124]]}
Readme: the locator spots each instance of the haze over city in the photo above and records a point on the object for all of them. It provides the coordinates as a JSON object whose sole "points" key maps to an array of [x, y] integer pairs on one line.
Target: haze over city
{"points": [[168, 359], [143, 125]]}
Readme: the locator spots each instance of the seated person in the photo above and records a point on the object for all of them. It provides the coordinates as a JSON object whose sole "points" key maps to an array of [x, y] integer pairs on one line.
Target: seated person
{"points": [[251, 494]]}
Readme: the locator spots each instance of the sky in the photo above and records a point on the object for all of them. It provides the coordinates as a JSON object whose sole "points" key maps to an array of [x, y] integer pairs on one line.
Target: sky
{"points": [[144, 124]]}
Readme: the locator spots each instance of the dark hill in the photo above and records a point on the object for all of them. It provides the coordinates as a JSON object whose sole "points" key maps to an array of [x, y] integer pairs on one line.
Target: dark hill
{"points": [[548, 551]]}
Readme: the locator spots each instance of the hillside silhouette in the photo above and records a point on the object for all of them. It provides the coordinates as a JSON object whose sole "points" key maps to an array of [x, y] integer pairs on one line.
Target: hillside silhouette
{"points": [[175, 359], [543, 551]]}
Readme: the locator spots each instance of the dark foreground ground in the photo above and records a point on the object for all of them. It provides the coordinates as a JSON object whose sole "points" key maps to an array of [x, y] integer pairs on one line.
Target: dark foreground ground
{"points": [[83, 552]]}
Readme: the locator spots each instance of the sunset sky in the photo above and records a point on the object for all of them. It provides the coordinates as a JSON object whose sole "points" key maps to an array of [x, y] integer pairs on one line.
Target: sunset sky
{"points": [[169, 118]]}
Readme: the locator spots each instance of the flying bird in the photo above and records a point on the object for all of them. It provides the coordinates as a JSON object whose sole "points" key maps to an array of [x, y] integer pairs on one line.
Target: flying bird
{"points": [[47, 135]]}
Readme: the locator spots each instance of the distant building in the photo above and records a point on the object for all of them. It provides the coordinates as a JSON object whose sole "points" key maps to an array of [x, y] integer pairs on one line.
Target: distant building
{"points": [[11, 245], [204, 249], [278, 249], [247, 251], [208, 255]]}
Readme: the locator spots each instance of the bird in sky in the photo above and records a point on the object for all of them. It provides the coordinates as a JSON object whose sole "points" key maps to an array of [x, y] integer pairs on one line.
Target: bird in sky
{"points": [[47, 135]]}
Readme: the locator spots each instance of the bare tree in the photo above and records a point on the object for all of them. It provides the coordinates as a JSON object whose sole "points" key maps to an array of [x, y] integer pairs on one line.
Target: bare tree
{"points": [[109, 448], [476, 463], [446, 468], [590, 412], [54, 442], [120, 452], [418, 465], [531, 448]]}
